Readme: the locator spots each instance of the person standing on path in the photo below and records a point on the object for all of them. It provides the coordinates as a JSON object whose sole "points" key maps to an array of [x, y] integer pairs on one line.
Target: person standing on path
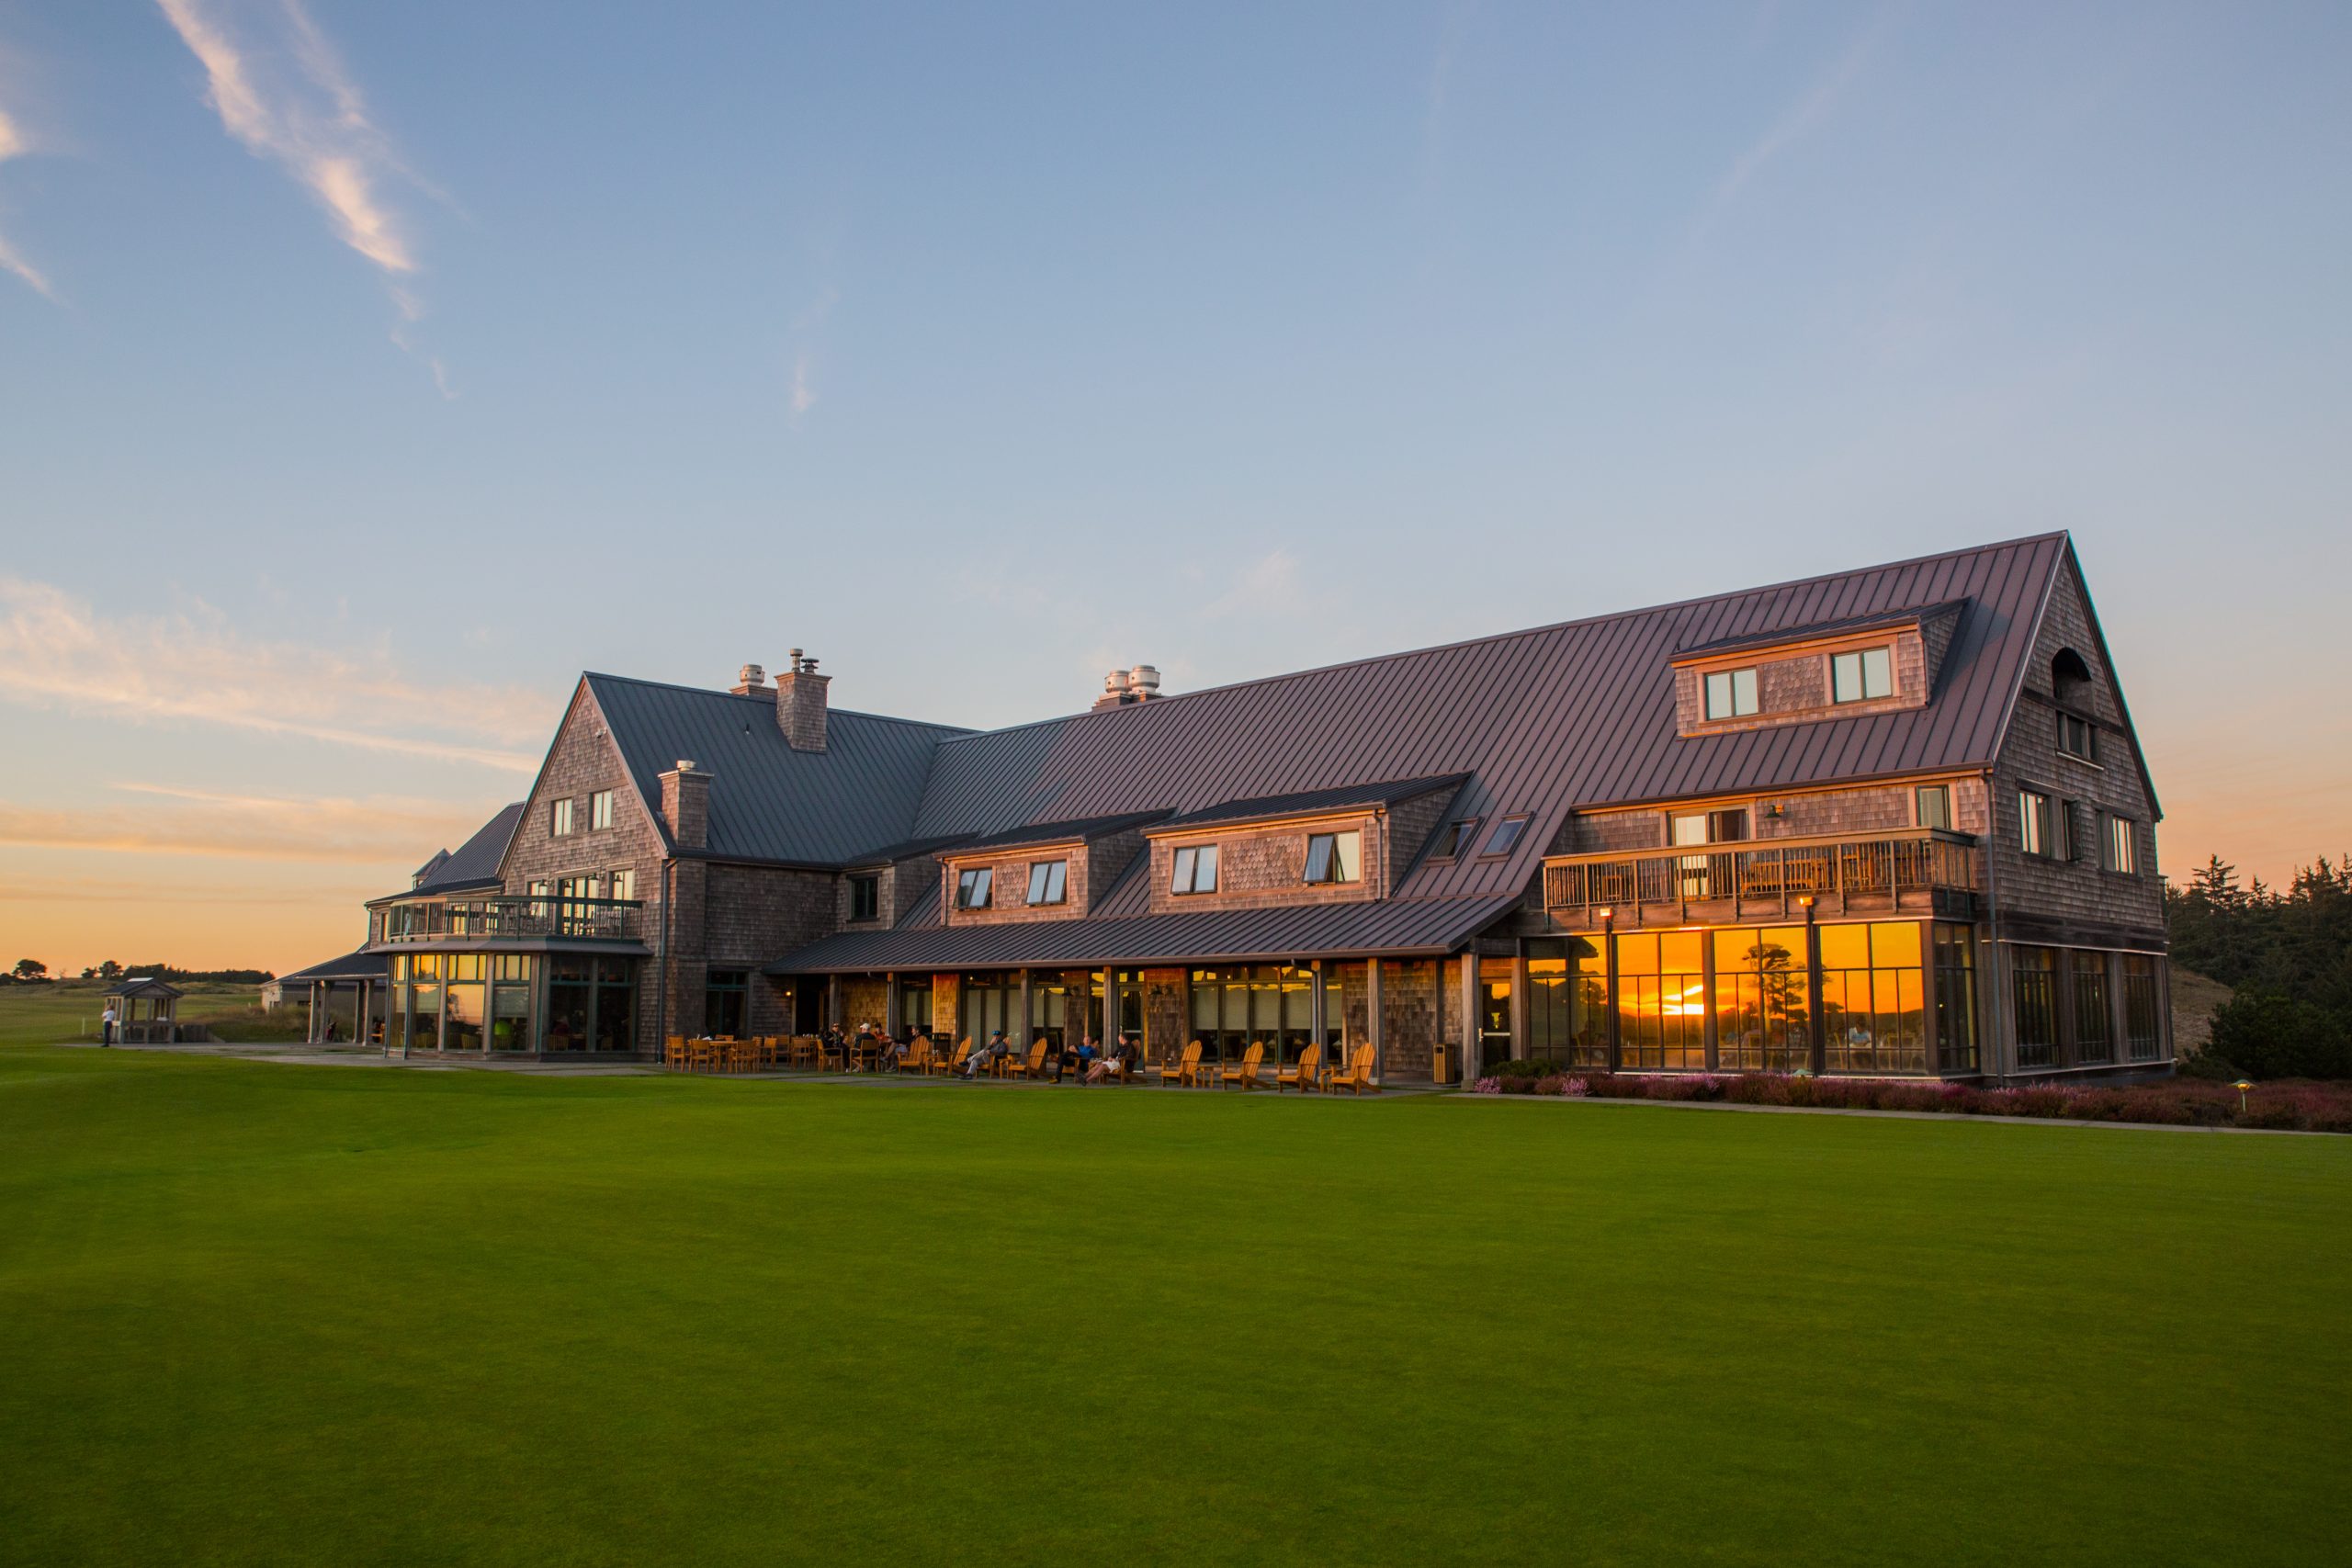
{"points": [[106, 1027]]}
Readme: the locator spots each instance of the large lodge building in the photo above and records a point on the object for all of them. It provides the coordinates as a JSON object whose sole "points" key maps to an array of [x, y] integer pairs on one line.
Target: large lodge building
{"points": [[1892, 821]]}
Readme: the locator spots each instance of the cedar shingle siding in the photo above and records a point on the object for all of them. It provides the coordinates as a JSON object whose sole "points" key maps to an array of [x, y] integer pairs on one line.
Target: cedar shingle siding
{"points": [[1586, 728]]}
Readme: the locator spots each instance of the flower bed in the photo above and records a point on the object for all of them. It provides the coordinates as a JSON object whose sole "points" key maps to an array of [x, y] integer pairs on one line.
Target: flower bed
{"points": [[2300, 1105]]}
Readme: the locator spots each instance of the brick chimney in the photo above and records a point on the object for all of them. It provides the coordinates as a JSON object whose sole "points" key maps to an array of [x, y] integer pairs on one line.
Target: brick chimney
{"points": [[685, 804], [752, 681], [800, 703]]}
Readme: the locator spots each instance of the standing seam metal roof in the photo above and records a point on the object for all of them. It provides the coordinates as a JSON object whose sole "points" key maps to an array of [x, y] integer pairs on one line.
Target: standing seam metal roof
{"points": [[1545, 720]]}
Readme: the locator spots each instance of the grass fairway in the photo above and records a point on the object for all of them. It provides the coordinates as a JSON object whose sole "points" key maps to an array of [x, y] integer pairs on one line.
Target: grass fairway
{"points": [[261, 1314]]}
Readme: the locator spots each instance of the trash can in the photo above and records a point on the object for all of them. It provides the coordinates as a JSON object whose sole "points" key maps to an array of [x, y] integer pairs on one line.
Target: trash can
{"points": [[1441, 1065]]}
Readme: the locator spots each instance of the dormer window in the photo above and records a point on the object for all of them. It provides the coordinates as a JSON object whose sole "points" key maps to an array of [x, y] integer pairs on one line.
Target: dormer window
{"points": [[1505, 835], [1196, 869], [1334, 857], [1456, 840], [972, 889], [1731, 693], [1864, 675], [1047, 880], [864, 898]]}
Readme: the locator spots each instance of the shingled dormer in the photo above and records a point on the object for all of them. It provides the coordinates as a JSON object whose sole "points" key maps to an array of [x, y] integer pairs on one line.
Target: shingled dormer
{"points": [[1838, 668]]}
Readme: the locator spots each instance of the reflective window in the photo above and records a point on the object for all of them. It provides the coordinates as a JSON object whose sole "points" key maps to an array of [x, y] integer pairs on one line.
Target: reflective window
{"points": [[1934, 806], [1861, 676], [1334, 857], [1955, 952], [2035, 982], [972, 889], [1457, 838], [1196, 869], [1731, 693], [2034, 826], [2143, 1025], [559, 819], [2093, 1023], [1506, 836], [1662, 1002], [2077, 736], [1567, 1002], [723, 995], [1047, 881], [1262, 1004], [600, 810], [1763, 1000], [864, 898], [2122, 845], [624, 883], [1873, 999]]}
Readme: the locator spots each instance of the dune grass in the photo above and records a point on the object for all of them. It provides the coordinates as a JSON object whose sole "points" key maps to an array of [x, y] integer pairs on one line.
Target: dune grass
{"points": [[353, 1314]]}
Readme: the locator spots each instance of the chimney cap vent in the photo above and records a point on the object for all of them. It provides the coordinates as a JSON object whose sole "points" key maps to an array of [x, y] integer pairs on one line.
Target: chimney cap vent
{"points": [[752, 675]]}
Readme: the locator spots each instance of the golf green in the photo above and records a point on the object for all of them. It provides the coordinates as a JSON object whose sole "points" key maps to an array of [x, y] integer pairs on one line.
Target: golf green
{"points": [[266, 1314]]}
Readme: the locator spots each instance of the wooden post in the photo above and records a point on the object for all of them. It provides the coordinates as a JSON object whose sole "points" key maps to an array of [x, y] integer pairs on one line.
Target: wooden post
{"points": [[1468, 1067], [1315, 1007], [1372, 1009], [891, 1010], [1021, 1039], [1518, 1001], [832, 1001]]}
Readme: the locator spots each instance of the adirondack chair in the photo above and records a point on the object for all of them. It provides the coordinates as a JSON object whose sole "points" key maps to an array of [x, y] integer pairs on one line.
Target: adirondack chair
{"points": [[1304, 1075], [918, 1058], [954, 1064], [1358, 1077], [1028, 1066], [1244, 1073], [1185, 1071]]}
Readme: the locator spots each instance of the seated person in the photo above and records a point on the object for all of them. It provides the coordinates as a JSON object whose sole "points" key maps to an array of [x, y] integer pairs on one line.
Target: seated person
{"points": [[978, 1062], [1121, 1059], [1079, 1058]]}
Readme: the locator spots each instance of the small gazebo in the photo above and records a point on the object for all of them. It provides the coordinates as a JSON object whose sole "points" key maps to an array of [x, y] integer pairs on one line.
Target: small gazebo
{"points": [[149, 1009]]}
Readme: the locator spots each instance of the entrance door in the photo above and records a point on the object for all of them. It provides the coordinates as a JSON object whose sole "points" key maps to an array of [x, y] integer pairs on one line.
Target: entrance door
{"points": [[1494, 1021]]}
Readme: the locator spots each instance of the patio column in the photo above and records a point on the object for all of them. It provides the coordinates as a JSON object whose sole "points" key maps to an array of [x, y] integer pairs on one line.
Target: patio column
{"points": [[1314, 1002], [891, 1008], [1468, 1067], [1375, 1025], [318, 995], [1023, 1038], [832, 1001], [1518, 1002]]}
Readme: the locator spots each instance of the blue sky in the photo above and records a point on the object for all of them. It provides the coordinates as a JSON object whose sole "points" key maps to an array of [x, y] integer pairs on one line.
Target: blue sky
{"points": [[366, 371]]}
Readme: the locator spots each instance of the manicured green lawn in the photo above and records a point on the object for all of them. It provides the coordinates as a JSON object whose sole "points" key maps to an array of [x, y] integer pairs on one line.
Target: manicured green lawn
{"points": [[264, 1313]]}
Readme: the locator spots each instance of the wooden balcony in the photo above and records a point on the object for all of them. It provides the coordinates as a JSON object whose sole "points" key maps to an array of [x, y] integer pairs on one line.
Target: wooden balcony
{"points": [[501, 918], [1911, 871]]}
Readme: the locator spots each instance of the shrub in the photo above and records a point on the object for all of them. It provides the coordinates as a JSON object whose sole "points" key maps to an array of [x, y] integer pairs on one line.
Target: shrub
{"points": [[1522, 1067], [1487, 1086], [2274, 1036]]}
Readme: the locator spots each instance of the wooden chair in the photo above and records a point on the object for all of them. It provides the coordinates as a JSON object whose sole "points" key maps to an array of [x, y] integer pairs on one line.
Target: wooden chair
{"points": [[954, 1064], [1245, 1072], [830, 1056], [1358, 1077], [918, 1058], [1305, 1075], [1185, 1071], [1029, 1066], [701, 1056], [673, 1053]]}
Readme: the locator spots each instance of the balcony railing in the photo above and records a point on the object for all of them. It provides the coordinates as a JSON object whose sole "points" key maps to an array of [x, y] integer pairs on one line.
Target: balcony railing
{"points": [[1920, 870], [497, 916]]}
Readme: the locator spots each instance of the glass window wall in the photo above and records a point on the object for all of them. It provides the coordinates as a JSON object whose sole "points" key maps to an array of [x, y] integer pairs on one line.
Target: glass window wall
{"points": [[2143, 1025], [2035, 981], [1567, 1002], [2093, 1022], [1267, 1004], [1955, 948], [1763, 1000], [1662, 1002], [1874, 1006]]}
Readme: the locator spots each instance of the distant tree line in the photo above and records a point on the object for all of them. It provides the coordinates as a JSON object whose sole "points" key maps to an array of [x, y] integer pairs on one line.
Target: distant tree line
{"points": [[2287, 958], [33, 971]]}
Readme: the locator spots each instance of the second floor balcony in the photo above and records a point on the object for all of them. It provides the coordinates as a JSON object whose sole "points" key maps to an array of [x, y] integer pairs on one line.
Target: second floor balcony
{"points": [[497, 917], [1922, 871]]}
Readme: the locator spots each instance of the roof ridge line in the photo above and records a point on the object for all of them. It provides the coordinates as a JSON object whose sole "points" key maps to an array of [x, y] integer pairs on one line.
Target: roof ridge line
{"points": [[959, 729], [1601, 620]]}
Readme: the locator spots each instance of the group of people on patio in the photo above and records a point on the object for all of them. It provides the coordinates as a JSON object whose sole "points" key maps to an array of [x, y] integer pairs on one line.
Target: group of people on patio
{"points": [[1089, 1060]]}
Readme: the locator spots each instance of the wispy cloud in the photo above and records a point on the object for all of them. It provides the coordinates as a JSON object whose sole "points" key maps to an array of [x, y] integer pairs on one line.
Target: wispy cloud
{"points": [[804, 391], [310, 829], [1268, 583], [290, 100], [13, 145], [58, 651], [1808, 111]]}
